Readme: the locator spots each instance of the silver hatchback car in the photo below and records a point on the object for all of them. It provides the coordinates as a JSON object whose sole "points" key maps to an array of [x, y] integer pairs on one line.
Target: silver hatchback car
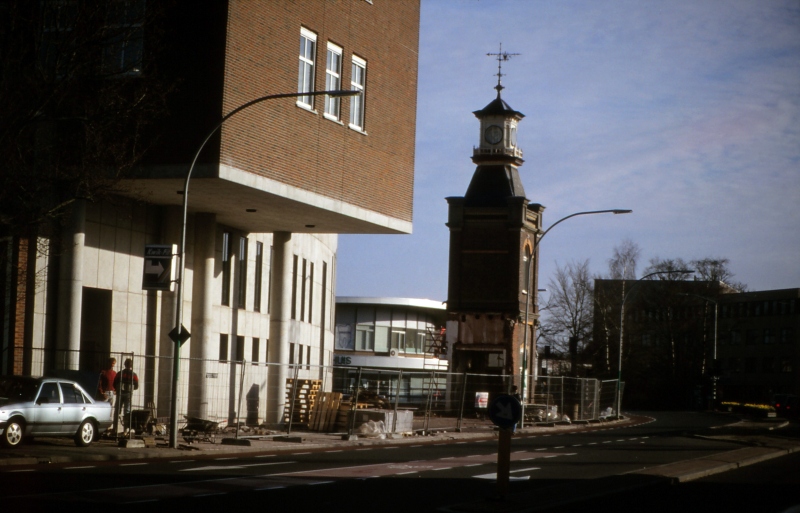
{"points": [[48, 407]]}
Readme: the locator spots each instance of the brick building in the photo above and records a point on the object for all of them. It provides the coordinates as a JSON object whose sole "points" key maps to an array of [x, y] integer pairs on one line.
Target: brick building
{"points": [[492, 232], [269, 193]]}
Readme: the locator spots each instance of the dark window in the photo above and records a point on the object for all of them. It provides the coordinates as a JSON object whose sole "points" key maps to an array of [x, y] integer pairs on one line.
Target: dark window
{"points": [[303, 284], [223, 347], [239, 349], [769, 336], [768, 365], [323, 301], [291, 352], [226, 269], [256, 356], [50, 393], [71, 394], [259, 275], [786, 335], [123, 51], [242, 302], [294, 287], [750, 364], [311, 293], [308, 357], [753, 337], [786, 364]]}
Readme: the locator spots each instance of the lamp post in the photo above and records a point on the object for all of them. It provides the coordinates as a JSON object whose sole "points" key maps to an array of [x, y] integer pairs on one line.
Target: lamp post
{"points": [[714, 366], [529, 285], [625, 296], [178, 333]]}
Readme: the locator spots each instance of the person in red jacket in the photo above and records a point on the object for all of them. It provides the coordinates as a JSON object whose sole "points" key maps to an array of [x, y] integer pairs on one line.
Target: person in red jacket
{"points": [[106, 387], [125, 382]]}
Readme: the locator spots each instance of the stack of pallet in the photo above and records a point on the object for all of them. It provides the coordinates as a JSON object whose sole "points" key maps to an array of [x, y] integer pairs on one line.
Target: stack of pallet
{"points": [[323, 416], [342, 415], [304, 392]]}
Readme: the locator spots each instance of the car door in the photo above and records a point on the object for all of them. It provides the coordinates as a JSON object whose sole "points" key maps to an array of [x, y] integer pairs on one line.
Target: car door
{"points": [[47, 410], [74, 409]]}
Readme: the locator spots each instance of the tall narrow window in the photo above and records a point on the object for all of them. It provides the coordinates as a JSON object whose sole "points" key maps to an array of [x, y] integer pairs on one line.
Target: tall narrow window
{"points": [[242, 302], [259, 275], [303, 291], [239, 349], [308, 357], [269, 284], [226, 269], [223, 347], [526, 270], [305, 79], [123, 51], [311, 293], [358, 81], [291, 352], [324, 299], [294, 287], [256, 353], [333, 81]]}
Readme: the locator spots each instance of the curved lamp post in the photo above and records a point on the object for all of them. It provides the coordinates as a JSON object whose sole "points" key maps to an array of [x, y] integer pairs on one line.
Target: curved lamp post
{"points": [[178, 332], [625, 296], [531, 291]]}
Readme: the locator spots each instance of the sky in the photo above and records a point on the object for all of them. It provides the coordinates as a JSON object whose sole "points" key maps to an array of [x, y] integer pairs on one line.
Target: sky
{"points": [[686, 112]]}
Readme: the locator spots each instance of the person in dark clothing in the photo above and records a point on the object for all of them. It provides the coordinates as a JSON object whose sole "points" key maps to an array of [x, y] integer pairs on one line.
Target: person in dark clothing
{"points": [[125, 383]]}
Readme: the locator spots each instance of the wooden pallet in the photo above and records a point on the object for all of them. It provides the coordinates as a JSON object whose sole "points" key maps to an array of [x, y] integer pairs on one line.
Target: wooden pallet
{"points": [[305, 393], [323, 414]]}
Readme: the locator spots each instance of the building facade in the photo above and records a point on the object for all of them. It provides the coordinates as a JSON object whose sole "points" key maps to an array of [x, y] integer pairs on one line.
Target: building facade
{"points": [[390, 343], [681, 335], [269, 193]]}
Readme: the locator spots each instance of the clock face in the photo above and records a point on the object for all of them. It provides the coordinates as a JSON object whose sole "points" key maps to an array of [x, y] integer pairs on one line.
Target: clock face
{"points": [[513, 137], [494, 134]]}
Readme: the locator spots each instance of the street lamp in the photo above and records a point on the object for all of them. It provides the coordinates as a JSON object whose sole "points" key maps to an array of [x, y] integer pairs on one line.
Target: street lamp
{"points": [[529, 286], [178, 333], [714, 366], [625, 296]]}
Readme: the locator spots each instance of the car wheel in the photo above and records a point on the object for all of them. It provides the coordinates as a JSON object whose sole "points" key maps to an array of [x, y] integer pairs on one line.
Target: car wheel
{"points": [[85, 434], [12, 434]]}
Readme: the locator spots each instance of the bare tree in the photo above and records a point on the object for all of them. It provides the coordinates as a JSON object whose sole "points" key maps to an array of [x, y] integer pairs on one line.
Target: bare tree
{"points": [[622, 264], [716, 269], [666, 265], [568, 324]]}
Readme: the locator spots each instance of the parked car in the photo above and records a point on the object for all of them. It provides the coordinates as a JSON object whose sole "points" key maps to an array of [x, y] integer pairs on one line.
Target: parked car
{"points": [[47, 407], [787, 405]]}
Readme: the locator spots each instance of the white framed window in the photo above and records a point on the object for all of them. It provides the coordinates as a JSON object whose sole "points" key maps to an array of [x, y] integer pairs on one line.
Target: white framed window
{"points": [[365, 337], [358, 82], [333, 81], [305, 78]]}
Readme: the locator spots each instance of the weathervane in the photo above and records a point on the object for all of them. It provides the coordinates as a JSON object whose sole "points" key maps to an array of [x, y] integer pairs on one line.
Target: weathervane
{"points": [[501, 56]]}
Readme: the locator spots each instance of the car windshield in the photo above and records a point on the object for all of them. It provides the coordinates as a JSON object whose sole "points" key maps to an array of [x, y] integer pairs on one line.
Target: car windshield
{"points": [[16, 390]]}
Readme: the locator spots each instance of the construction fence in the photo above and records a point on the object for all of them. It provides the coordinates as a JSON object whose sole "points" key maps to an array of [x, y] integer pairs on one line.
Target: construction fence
{"points": [[335, 399]]}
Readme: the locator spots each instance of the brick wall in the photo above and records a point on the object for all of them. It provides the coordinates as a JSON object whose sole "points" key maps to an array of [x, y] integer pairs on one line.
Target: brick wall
{"points": [[304, 149]]}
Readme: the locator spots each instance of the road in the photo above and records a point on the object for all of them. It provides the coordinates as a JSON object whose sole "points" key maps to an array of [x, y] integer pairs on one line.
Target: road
{"points": [[422, 476]]}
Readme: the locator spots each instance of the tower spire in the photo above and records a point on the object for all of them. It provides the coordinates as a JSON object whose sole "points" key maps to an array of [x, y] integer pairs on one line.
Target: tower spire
{"points": [[501, 56]]}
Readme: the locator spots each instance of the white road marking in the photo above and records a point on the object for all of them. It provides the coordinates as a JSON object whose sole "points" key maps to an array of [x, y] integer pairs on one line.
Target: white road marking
{"points": [[443, 468], [220, 459], [542, 449], [524, 469], [494, 477], [298, 453], [23, 470], [233, 467], [271, 455], [320, 482], [559, 447], [335, 451], [404, 473]]}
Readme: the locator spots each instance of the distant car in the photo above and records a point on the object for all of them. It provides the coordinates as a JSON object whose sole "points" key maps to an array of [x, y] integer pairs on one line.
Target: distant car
{"points": [[786, 405], [48, 407]]}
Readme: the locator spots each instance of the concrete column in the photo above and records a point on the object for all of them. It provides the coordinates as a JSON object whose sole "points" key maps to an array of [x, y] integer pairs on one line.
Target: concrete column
{"points": [[279, 325], [70, 289], [202, 330]]}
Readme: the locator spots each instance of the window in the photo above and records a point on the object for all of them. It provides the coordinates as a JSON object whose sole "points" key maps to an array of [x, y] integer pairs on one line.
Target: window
{"points": [[294, 287], [291, 352], [308, 357], [242, 301], [786, 335], [50, 392], [223, 347], [769, 336], [736, 337], [269, 282], [226, 268], [259, 275], [58, 39], [358, 76], [122, 54], [786, 364], [753, 337], [324, 298], [526, 270], [305, 79], [333, 81], [239, 349], [71, 394], [311, 293], [365, 337], [303, 291], [399, 340], [255, 356]]}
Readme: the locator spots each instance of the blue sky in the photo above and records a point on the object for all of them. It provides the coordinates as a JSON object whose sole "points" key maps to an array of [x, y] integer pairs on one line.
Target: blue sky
{"points": [[687, 112]]}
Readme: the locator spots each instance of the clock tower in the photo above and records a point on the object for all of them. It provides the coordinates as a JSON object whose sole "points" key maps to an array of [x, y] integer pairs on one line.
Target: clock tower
{"points": [[492, 232]]}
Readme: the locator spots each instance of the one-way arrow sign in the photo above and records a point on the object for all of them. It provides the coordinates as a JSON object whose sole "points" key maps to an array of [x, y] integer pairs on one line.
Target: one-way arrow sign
{"points": [[158, 268]]}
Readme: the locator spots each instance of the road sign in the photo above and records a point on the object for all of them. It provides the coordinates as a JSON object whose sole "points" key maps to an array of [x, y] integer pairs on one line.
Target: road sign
{"points": [[505, 411], [181, 337], [158, 267]]}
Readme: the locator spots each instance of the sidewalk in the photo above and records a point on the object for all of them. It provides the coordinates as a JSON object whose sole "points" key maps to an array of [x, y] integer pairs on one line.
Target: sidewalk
{"points": [[63, 450]]}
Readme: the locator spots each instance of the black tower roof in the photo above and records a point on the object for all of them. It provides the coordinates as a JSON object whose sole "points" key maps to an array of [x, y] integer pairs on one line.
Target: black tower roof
{"points": [[498, 106]]}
